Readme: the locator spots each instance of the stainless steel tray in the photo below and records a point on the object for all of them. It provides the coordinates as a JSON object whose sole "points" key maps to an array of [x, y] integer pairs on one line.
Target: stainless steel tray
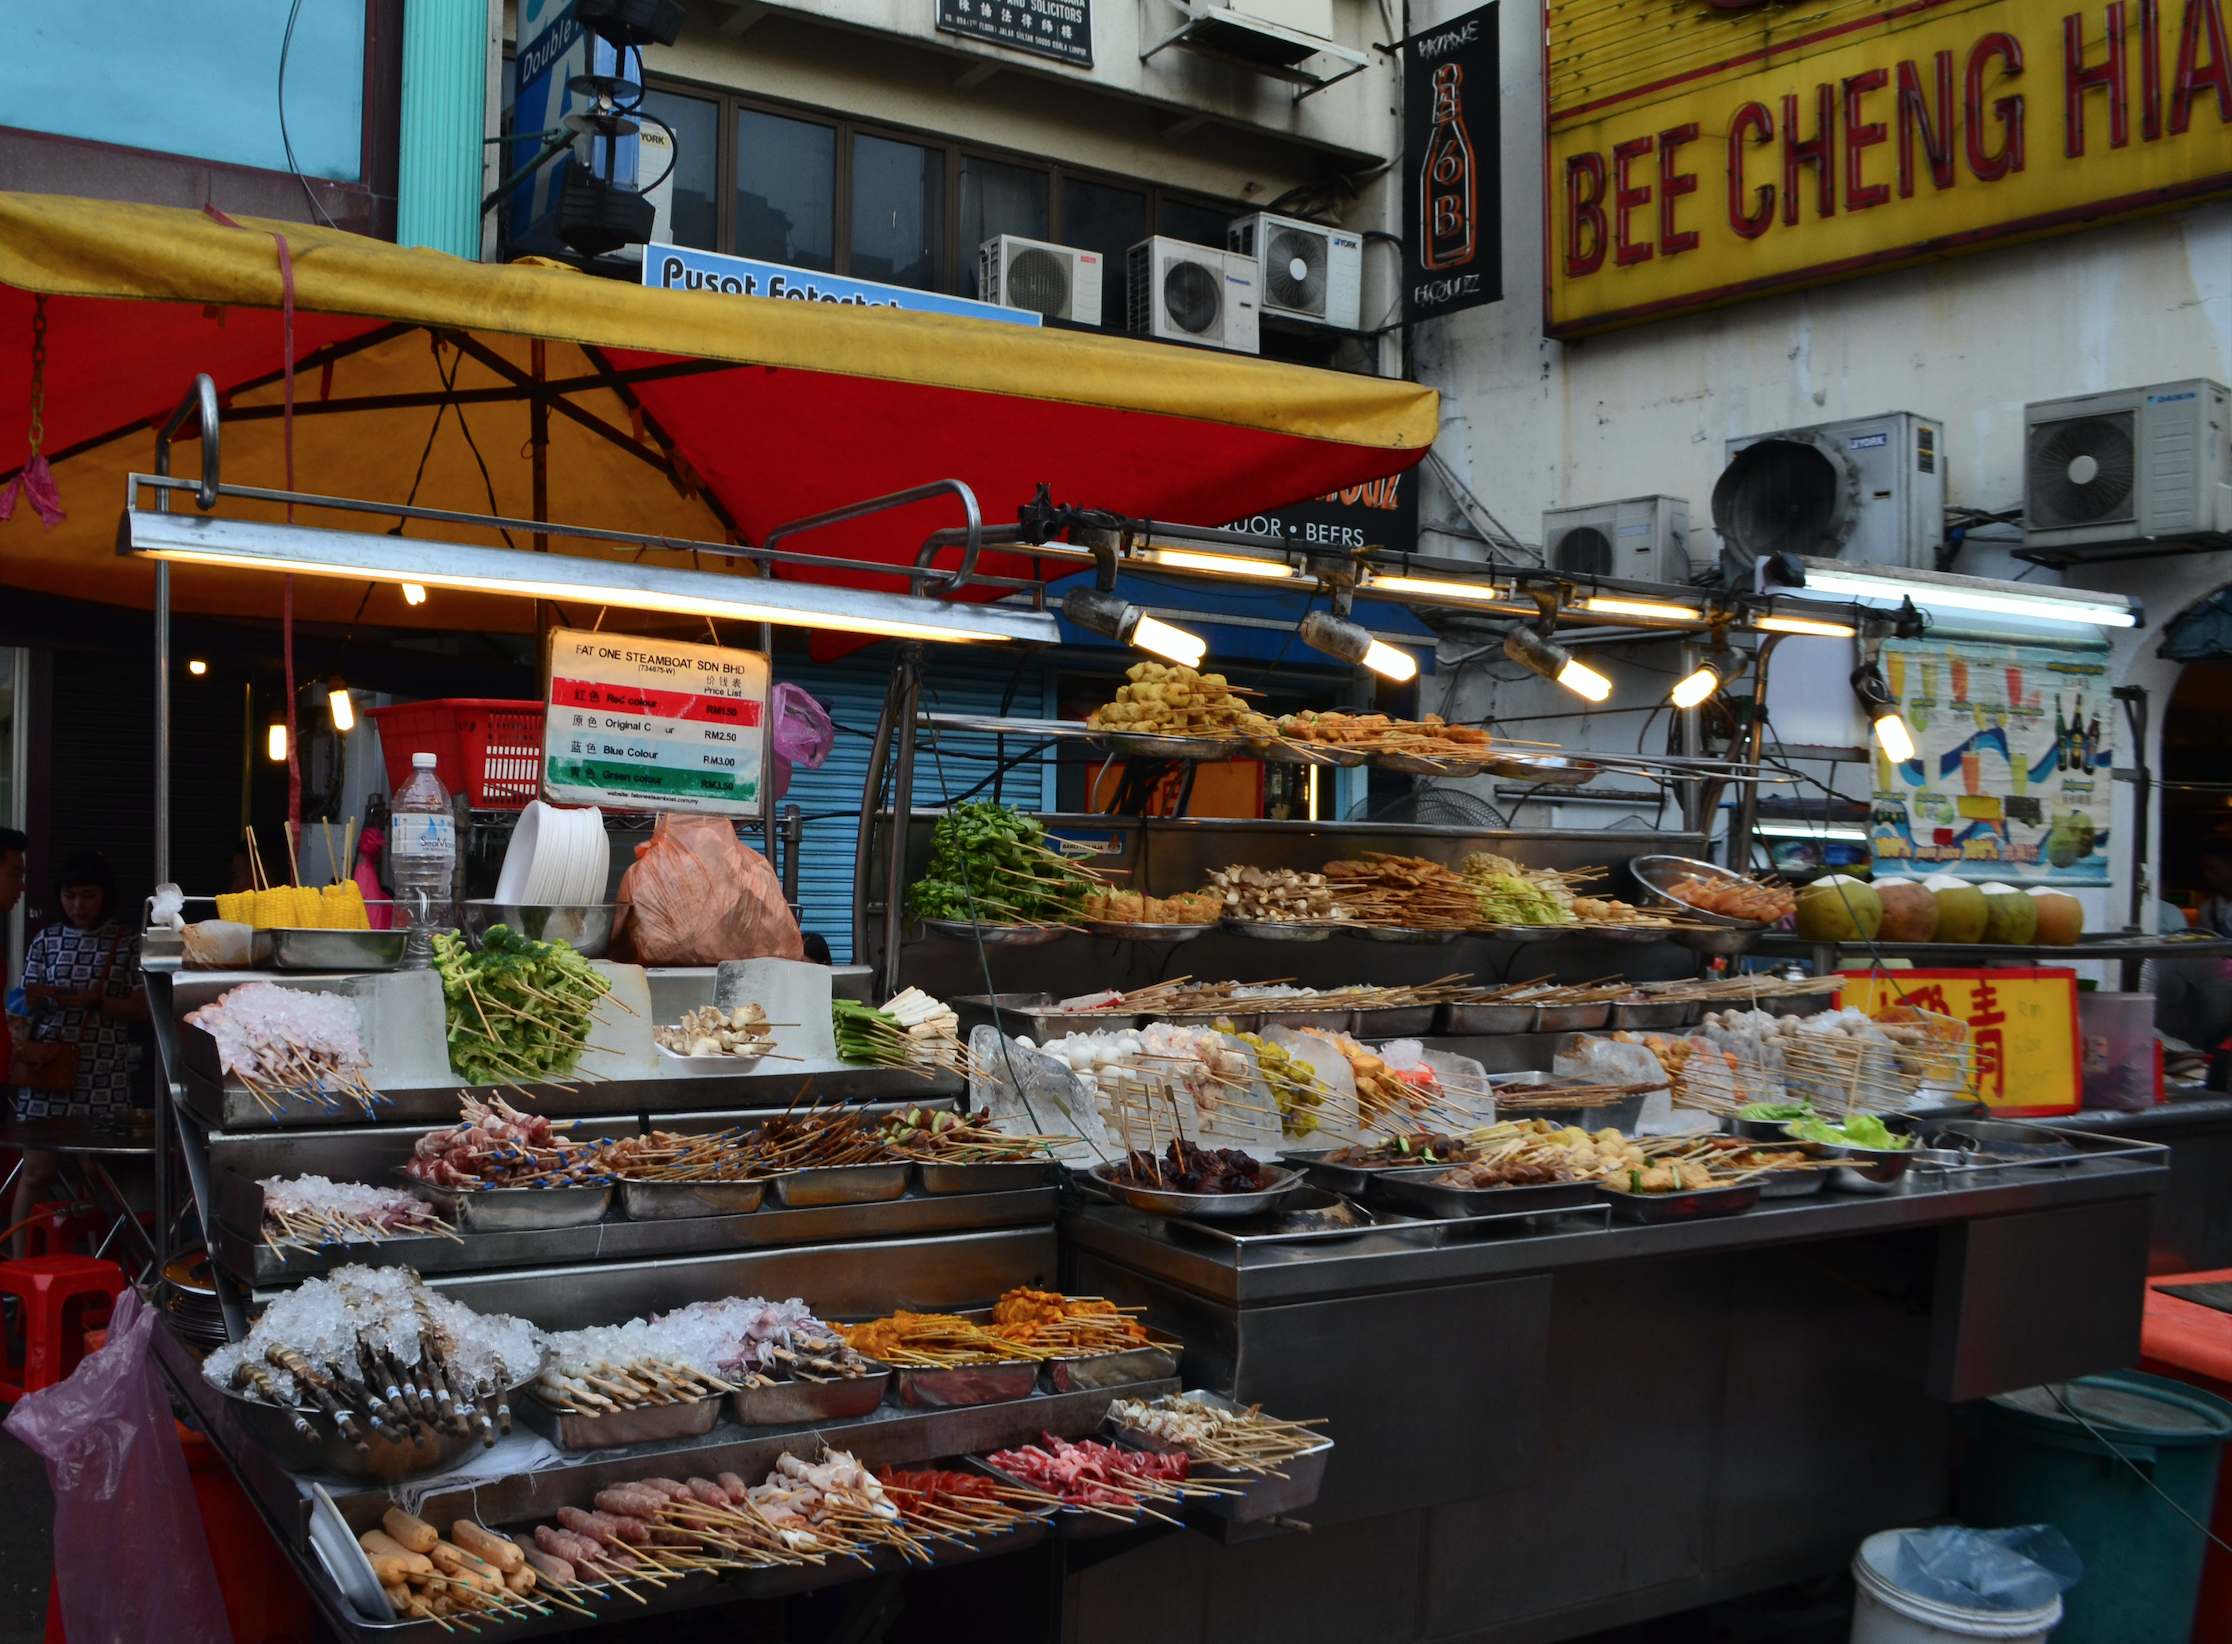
{"points": [[1653, 1013], [1415, 1185], [1654, 873], [1415, 936], [1033, 1015], [1329, 1021], [1216, 1206], [1425, 764], [1280, 930], [1242, 1021], [1620, 1115], [1792, 1184], [1104, 1370], [793, 1403], [326, 1453], [1680, 1207], [1638, 934], [1166, 935], [1523, 933], [1573, 1018], [1294, 1486], [586, 927], [991, 1176], [1070, 1523], [1464, 1019], [1013, 936], [1293, 750], [1352, 1180], [1150, 745], [514, 1209], [966, 1384], [1394, 1021], [303, 948], [671, 1201], [843, 1184], [644, 1424], [1544, 770]]}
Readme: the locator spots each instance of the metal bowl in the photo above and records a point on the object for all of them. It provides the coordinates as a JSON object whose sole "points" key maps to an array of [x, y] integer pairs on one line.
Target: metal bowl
{"points": [[1687, 1206], [1014, 936], [1655, 873], [1394, 1021], [1199, 1206], [1873, 1169], [1638, 934], [304, 948], [1116, 931], [1288, 750], [1279, 930], [272, 1428], [586, 927], [1760, 1130], [1152, 745]]}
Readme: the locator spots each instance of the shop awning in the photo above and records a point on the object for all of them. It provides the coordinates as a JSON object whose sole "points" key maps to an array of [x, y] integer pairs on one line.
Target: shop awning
{"points": [[686, 414]]}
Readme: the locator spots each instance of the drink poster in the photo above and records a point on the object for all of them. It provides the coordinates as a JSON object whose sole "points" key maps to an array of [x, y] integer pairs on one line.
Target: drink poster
{"points": [[2011, 775], [654, 724], [1452, 209]]}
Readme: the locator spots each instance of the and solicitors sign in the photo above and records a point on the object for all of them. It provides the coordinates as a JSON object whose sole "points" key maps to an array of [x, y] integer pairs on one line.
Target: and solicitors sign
{"points": [[1756, 152]]}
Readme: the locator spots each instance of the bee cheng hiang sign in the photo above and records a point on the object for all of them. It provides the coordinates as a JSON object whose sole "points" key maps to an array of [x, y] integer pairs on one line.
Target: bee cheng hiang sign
{"points": [[1452, 244]]}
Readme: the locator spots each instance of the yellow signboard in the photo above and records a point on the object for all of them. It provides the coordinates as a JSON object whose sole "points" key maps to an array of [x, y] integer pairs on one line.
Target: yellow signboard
{"points": [[1699, 156], [2022, 1028]]}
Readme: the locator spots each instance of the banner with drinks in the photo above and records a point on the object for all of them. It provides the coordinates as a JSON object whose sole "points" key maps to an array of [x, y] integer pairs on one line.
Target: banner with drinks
{"points": [[2010, 779]]}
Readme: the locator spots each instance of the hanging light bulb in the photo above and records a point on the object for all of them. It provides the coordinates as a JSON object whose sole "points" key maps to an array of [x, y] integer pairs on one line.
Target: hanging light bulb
{"points": [[197, 667], [344, 709], [1713, 670], [414, 593], [275, 742], [1897, 741], [1553, 661], [1338, 637], [1114, 617], [1882, 709]]}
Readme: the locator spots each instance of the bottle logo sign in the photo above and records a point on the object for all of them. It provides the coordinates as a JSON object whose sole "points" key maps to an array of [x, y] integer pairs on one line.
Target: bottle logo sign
{"points": [[1452, 196]]}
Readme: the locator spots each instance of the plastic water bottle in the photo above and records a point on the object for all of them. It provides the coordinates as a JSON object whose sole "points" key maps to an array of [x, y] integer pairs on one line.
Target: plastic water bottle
{"points": [[422, 857]]}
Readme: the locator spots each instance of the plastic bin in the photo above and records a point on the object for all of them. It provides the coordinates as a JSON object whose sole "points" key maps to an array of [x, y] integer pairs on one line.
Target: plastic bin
{"points": [[2190, 1343], [1883, 1612], [2119, 1064], [487, 749], [2030, 1463]]}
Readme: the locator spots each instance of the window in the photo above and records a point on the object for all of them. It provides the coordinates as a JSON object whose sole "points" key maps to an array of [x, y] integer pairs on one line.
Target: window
{"points": [[1110, 220], [786, 191], [1193, 222], [200, 81], [898, 213], [998, 198], [693, 216]]}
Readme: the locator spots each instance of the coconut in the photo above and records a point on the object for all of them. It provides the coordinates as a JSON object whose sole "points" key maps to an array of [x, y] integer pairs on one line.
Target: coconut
{"points": [[1839, 908], [1910, 913], [2010, 917], [2061, 917], [1961, 910]]}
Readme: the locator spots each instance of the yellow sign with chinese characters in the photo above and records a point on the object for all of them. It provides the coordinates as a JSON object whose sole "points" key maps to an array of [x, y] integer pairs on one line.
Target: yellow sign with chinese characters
{"points": [[2022, 1028], [1698, 155]]}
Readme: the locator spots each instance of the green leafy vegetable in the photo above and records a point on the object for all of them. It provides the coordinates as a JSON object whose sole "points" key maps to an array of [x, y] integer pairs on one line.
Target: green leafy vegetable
{"points": [[1772, 1112], [1858, 1130], [997, 862], [518, 1010]]}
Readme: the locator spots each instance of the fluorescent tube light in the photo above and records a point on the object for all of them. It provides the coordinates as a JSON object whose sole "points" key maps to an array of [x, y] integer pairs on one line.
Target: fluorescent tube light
{"points": [[1642, 608], [1961, 597], [1223, 565], [1434, 588], [1803, 625], [1810, 830]]}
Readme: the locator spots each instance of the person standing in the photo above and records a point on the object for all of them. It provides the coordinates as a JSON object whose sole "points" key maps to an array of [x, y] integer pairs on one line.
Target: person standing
{"points": [[82, 984], [14, 851]]}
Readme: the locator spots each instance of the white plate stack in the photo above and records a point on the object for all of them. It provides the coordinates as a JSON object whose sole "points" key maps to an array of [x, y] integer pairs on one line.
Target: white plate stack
{"points": [[557, 859]]}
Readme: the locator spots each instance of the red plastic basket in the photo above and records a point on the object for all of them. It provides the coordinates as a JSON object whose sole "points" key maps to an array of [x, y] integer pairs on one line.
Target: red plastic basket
{"points": [[491, 750]]}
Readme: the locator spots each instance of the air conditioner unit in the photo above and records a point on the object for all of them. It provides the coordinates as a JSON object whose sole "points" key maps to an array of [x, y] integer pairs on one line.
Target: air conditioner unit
{"points": [[1871, 490], [1181, 292], [2129, 467], [1645, 539], [1057, 281], [1305, 271]]}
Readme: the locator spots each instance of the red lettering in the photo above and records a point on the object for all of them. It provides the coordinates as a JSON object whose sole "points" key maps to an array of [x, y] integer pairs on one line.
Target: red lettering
{"points": [[2106, 75], [2150, 69], [1626, 198], [1672, 185], [1937, 134], [1990, 168], [2201, 16], [1814, 151], [1751, 224], [1585, 210], [1857, 136]]}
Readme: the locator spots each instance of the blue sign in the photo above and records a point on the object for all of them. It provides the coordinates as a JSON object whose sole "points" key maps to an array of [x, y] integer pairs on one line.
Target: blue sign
{"points": [[679, 268], [553, 49]]}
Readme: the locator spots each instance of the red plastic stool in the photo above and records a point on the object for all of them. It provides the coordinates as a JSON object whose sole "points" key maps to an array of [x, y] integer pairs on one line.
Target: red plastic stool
{"points": [[61, 1223], [47, 1286]]}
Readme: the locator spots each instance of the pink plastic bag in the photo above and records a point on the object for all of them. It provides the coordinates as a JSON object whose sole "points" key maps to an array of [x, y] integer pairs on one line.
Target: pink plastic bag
{"points": [[803, 734], [130, 1556]]}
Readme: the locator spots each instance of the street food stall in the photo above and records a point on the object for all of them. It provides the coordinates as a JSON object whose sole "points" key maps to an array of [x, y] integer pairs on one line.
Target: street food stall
{"points": [[1313, 1217]]}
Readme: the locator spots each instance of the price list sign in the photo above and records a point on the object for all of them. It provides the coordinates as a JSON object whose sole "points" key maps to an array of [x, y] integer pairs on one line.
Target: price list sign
{"points": [[652, 724], [1060, 29]]}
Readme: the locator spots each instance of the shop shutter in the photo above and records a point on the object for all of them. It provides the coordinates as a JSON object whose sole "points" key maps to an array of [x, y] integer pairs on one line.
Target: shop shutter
{"points": [[956, 679]]}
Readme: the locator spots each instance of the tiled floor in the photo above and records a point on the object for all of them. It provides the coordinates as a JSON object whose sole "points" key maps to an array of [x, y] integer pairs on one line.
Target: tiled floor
{"points": [[26, 1544]]}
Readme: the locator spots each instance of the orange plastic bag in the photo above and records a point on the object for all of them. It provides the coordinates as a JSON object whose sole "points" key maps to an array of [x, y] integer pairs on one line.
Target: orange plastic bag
{"points": [[699, 895]]}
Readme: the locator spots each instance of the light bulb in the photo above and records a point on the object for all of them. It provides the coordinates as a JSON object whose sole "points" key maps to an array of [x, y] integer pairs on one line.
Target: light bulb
{"points": [[344, 709], [414, 593], [1223, 565], [1641, 607], [1436, 588], [1165, 640], [1389, 661], [1583, 680], [275, 743], [1688, 693], [197, 667], [1803, 625], [1891, 731]]}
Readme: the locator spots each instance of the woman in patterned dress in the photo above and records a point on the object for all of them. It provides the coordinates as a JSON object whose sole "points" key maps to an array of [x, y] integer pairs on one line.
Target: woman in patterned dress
{"points": [[82, 981]]}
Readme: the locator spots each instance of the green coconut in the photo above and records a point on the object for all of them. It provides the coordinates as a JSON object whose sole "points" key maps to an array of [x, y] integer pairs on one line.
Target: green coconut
{"points": [[2061, 917], [1839, 908], [1961, 910], [1910, 913], [2010, 917]]}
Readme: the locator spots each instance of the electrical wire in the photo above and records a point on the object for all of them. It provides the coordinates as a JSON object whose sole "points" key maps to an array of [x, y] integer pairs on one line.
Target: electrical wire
{"points": [[2102, 1441], [286, 47]]}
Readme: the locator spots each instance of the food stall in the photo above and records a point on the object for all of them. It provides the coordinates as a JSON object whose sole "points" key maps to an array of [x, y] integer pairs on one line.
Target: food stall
{"points": [[496, 1322]]}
